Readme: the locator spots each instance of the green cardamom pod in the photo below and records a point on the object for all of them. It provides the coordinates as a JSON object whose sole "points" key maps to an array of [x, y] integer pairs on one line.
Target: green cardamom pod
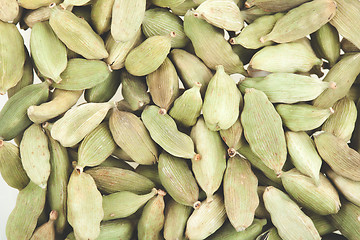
{"points": [[118, 163], [47, 230], [176, 216], [183, 7], [321, 223], [9, 10], [134, 90], [37, 15], [101, 12], [233, 137], [151, 172], [274, 5], [105, 90]]}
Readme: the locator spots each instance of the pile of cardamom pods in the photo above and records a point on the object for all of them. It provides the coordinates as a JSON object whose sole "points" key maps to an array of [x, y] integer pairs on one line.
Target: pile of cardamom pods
{"points": [[274, 155]]}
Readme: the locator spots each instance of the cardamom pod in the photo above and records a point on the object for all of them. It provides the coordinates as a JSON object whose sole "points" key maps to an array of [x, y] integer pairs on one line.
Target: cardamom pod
{"points": [[101, 12], [176, 216], [274, 5], [134, 90], [151, 172], [47, 230]]}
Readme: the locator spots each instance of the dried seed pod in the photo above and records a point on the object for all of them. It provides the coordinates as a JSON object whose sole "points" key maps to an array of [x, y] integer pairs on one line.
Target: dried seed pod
{"points": [[96, 146], [152, 218], [151, 172], [101, 12], [301, 21], [207, 219], [303, 117], [12, 56], [341, 158], [83, 74], [187, 107], [304, 155], [163, 84], [178, 181], [118, 51], [342, 122], [209, 168], [262, 127], [11, 168], [199, 32], [77, 34], [347, 16], [274, 6], [35, 155], [222, 101], [344, 76], [321, 223], [149, 55], [183, 7], [105, 90], [349, 188], [322, 199], [38, 15], [347, 220], [158, 21], [9, 10], [261, 211], [130, 133], [163, 131], [62, 100], [35, 4], [294, 87], [58, 181], [326, 43], [250, 36], [223, 14], [123, 204], [191, 69], [47, 230], [240, 193], [48, 52], [112, 179], [286, 57], [287, 217], [233, 137], [134, 90], [84, 205], [121, 154], [79, 122], [176, 216], [22, 220]]}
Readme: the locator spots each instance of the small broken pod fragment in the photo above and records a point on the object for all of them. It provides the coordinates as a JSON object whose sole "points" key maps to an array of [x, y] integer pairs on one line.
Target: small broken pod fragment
{"points": [[349, 188], [240, 193], [22, 220], [82, 74], [304, 155], [262, 128], [294, 87], [176, 216], [250, 36], [35, 155], [152, 218], [228, 232], [126, 20], [322, 199], [207, 219], [118, 51], [191, 69], [130, 134], [210, 166], [79, 122], [105, 90], [233, 137], [134, 90], [149, 55], [274, 5], [123, 204], [342, 122], [199, 32], [11, 168], [159, 21], [77, 34], [344, 77], [163, 131], [61, 101], [222, 101], [302, 116], [84, 205], [96, 146], [290, 57], [287, 216], [12, 56], [326, 43], [163, 84], [187, 107], [342, 159], [101, 12], [48, 52], [9, 10], [347, 220], [47, 230], [178, 181], [113, 179], [223, 14], [301, 21]]}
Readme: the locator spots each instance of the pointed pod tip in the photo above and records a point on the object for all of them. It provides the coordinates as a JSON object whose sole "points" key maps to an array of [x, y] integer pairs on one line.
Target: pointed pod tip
{"points": [[53, 215], [79, 169], [197, 157], [231, 152], [332, 111], [52, 5], [263, 39], [278, 173], [197, 205], [162, 111], [219, 68], [161, 192], [247, 4], [43, 125], [1, 142], [232, 41], [332, 85], [172, 34], [198, 84], [209, 199]]}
